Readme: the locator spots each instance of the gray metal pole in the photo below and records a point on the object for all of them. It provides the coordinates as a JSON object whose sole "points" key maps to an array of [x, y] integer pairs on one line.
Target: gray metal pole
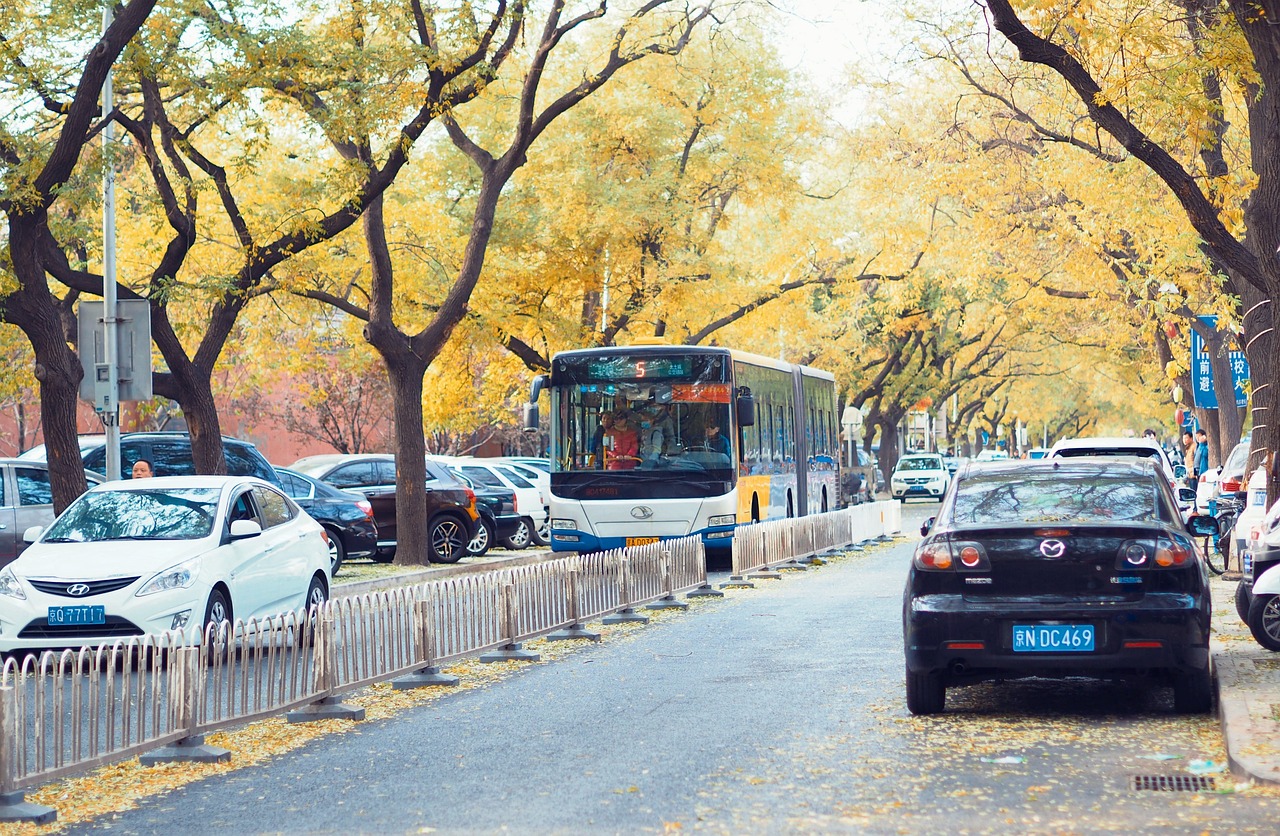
{"points": [[109, 411]]}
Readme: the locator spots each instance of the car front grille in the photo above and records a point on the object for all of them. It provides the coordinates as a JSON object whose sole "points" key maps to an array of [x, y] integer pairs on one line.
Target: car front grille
{"points": [[95, 587], [115, 626]]}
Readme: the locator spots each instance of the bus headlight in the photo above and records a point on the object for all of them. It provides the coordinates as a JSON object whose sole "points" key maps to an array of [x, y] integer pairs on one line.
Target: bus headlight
{"points": [[723, 519], [563, 524]]}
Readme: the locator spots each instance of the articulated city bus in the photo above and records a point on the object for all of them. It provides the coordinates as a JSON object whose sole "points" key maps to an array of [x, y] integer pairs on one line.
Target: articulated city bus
{"points": [[650, 442]]}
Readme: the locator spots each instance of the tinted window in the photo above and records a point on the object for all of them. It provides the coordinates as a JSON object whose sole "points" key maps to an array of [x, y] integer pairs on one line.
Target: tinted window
{"points": [[2, 488], [168, 458], [482, 476], [243, 460], [355, 475], [295, 486], [274, 507], [516, 479], [33, 486], [1043, 498], [385, 472]]}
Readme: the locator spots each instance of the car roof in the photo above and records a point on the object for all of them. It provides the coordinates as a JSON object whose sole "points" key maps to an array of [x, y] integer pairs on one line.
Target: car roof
{"points": [[1105, 442], [339, 458], [162, 482], [1074, 465]]}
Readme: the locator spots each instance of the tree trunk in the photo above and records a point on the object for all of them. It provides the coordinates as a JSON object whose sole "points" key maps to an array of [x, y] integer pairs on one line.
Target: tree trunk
{"points": [[192, 387], [58, 370], [406, 372]]}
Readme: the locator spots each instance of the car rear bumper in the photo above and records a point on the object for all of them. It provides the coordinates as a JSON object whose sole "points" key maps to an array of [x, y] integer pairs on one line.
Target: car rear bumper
{"points": [[1160, 633]]}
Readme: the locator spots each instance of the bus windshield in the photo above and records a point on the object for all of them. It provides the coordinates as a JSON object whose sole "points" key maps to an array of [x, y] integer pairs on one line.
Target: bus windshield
{"points": [[648, 412]]}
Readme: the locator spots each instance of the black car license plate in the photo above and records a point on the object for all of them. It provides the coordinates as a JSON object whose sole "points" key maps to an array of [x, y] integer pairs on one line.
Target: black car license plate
{"points": [[64, 616], [1053, 638]]}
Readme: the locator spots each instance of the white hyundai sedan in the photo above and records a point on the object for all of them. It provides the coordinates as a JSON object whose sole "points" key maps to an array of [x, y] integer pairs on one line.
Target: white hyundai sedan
{"points": [[146, 556]]}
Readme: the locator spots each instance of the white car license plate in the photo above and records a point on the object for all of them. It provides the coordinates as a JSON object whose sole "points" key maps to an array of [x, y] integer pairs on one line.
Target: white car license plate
{"points": [[65, 616], [1053, 638]]}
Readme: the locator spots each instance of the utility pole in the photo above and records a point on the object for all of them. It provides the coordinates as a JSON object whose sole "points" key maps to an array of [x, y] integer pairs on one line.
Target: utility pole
{"points": [[107, 403]]}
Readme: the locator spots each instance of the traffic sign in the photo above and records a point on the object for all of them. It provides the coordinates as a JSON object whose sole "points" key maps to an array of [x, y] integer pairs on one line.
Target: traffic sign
{"points": [[1202, 371]]}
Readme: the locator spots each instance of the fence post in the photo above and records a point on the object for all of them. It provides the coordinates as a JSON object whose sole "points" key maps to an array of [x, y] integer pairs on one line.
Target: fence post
{"points": [[325, 648], [185, 688], [738, 571], [424, 644], [705, 590], [787, 543], [626, 614], [573, 602], [510, 620], [13, 803], [667, 601]]}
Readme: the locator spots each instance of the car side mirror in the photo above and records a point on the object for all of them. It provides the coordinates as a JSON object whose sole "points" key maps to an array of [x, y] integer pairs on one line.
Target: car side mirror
{"points": [[32, 534], [1203, 525], [1179, 471], [928, 524], [242, 529], [1186, 494]]}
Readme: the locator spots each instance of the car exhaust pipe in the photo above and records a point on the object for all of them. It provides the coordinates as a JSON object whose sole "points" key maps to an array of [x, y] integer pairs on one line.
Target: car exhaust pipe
{"points": [[959, 667]]}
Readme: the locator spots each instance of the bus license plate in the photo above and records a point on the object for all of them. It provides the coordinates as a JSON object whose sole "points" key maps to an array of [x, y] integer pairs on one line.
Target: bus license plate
{"points": [[77, 615], [641, 541], [1053, 638]]}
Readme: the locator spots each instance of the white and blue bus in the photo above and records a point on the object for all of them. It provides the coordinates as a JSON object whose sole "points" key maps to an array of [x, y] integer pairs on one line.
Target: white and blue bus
{"points": [[721, 437]]}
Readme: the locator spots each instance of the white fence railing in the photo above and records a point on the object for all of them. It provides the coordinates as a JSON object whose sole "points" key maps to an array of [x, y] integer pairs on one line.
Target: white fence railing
{"points": [[63, 713]]}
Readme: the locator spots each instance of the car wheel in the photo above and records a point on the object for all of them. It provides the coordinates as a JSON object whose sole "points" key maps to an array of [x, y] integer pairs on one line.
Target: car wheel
{"points": [[1264, 620], [1193, 691], [520, 538], [384, 555], [926, 693], [542, 534], [448, 540], [317, 594], [479, 544], [1242, 601], [217, 625], [337, 553]]}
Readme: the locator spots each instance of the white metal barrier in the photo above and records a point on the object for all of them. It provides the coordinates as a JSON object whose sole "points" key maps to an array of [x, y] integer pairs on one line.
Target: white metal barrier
{"points": [[67, 712]]}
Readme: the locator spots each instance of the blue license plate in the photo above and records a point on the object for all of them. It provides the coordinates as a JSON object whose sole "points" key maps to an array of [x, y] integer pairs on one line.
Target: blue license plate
{"points": [[1053, 638], [65, 616]]}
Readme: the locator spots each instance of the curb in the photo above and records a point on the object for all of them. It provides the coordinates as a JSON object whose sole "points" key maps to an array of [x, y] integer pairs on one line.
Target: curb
{"points": [[1247, 723], [432, 573]]}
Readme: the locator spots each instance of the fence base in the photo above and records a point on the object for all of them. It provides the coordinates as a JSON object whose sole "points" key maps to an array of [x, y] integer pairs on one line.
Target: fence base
{"points": [[627, 616], [187, 750], [767, 574], [574, 631], [510, 653], [329, 708], [737, 582], [704, 591], [429, 675], [15, 807], [667, 604]]}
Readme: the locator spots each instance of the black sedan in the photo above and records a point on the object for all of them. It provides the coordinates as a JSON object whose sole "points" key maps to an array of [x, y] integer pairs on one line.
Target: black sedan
{"points": [[348, 517], [498, 518], [1055, 568]]}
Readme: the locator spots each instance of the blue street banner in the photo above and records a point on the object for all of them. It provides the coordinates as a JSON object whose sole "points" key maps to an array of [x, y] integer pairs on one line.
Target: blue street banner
{"points": [[1202, 371]]}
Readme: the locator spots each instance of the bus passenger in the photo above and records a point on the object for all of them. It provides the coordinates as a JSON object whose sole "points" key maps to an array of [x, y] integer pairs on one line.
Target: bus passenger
{"points": [[656, 433], [716, 442], [622, 443], [597, 440]]}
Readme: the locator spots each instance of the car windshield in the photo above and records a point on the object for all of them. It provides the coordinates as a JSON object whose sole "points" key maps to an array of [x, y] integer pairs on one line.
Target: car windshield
{"points": [[1052, 497], [918, 463], [168, 514]]}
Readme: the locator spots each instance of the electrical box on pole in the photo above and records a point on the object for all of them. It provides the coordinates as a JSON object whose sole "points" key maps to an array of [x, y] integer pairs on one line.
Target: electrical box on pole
{"points": [[133, 331]]}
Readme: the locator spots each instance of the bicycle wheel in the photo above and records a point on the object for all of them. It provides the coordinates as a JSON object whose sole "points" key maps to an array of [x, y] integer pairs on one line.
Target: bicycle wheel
{"points": [[1214, 557]]}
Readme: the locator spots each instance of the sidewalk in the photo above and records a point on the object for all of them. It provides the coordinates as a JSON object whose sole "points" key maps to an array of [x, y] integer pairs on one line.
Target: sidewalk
{"points": [[1248, 692]]}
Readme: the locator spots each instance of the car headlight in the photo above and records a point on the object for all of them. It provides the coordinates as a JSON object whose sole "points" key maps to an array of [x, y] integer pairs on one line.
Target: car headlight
{"points": [[723, 519], [10, 586], [563, 524], [181, 576]]}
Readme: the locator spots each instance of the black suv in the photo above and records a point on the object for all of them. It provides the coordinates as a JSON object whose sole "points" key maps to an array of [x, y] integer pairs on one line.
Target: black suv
{"points": [[170, 455], [451, 506]]}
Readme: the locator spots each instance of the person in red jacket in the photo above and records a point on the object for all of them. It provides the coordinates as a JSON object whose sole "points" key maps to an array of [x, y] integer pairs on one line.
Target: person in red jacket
{"points": [[622, 444]]}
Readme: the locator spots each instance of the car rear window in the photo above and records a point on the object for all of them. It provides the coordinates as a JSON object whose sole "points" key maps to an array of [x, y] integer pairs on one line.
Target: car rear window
{"points": [[1051, 497], [1140, 452]]}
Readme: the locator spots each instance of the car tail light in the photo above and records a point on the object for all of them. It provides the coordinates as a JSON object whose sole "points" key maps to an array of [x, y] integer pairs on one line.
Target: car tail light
{"points": [[944, 555], [324, 535], [366, 506], [515, 504], [1231, 485], [1164, 553]]}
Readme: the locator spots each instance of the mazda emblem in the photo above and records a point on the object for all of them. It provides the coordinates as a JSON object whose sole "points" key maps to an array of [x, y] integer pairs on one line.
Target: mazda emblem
{"points": [[642, 512], [1052, 548], [78, 589]]}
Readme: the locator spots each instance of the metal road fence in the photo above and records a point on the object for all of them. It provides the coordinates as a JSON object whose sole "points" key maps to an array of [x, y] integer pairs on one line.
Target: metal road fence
{"points": [[63, 713]]}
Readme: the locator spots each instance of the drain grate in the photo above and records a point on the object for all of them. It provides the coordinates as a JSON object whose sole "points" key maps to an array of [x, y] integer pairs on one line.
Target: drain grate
{"points": [[1172, 783]]}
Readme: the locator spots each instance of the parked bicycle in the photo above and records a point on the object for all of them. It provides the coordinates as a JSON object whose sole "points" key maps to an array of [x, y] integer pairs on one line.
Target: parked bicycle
{"points": [[1217, 550]]}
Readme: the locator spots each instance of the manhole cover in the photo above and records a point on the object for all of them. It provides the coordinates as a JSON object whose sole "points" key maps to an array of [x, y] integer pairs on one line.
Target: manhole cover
{"points": [[1171, 783]]}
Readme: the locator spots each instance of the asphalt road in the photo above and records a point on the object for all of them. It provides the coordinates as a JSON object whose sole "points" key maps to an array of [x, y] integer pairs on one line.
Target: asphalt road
{"points": [[774, 710]]}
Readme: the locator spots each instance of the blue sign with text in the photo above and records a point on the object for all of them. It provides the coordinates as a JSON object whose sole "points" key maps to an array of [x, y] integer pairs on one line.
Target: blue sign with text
{"points": [[1202, 371]]}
